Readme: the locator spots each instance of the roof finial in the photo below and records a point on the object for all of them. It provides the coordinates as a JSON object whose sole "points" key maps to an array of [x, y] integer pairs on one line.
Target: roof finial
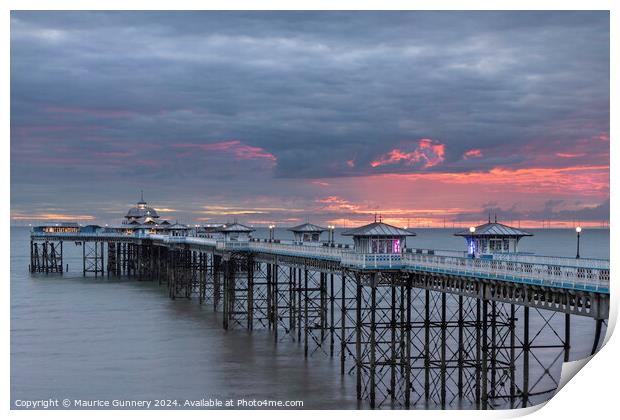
{"points": [[375, 217], [380, 218], [495, 217], [489, 216]]}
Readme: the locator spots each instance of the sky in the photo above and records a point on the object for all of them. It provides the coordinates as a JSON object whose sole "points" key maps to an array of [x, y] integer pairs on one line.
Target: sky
{"points": [[426, 118]]}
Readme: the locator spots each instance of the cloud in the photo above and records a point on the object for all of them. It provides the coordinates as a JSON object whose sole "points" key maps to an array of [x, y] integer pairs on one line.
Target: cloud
{"points": [[592, 213], [237, 149], [427, 153], [473, 153], [286, 98]]}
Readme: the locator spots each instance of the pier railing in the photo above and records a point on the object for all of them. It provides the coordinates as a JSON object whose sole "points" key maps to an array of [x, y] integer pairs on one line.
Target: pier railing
{"points": [[589, 278], [370, 261], [309, 251], [573, 273]]}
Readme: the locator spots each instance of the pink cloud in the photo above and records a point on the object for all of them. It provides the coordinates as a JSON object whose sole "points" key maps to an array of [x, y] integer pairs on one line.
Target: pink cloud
{"points": [[603, 137], [473, 153], [426, 151], [335, 203], [239, 150]]}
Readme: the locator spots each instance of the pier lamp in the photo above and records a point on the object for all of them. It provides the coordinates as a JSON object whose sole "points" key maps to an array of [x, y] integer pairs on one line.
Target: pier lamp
{"points": [[578, 230], [271, 236], [472, 249], [331, 233]]}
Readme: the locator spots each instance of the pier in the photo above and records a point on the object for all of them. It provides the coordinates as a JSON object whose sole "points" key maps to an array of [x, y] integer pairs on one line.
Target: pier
{"points": [[416, 328]]}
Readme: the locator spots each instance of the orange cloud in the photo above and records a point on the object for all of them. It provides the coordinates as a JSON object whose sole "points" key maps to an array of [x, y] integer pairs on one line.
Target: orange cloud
{"points": [[570, 155], [57, 217], [335, 203], [426, 151], [587, 180]]}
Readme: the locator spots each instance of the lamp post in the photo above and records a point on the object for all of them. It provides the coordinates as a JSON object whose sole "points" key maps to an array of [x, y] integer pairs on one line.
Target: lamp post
{"points": [[472, 230], [578, 230], [331, 233], [271, 235]]}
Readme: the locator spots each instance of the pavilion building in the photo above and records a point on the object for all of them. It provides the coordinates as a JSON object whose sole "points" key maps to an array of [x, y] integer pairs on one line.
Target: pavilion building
{"points": [[236, 232], [142, 218], [379, 238], [307, 232], [63, 227], [492, 238]]}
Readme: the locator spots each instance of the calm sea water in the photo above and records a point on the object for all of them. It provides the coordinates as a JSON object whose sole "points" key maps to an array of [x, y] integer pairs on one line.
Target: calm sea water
{"points": [[90, 338]]}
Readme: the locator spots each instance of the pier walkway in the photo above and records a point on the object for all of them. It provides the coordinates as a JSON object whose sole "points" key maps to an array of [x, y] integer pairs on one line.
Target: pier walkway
{"points": [[579, 274]]}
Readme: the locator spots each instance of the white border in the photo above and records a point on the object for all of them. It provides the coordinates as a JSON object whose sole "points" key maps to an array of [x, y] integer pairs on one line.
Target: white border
{"points": [[591, 395]]}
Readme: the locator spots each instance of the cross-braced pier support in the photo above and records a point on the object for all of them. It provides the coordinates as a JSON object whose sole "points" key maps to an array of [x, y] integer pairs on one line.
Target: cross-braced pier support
{"points": [[46, 257], [183, 274], [92, 258], [431, 349]]}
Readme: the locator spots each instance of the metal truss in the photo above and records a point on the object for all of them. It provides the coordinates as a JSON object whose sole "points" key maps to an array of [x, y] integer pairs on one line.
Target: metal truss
{"points": [[46, 257], [92, 258], [411, 339]]}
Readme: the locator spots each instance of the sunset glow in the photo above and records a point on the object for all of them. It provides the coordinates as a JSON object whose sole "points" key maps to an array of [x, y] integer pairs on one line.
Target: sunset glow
{"points": [[427, 120], [427, 153]]}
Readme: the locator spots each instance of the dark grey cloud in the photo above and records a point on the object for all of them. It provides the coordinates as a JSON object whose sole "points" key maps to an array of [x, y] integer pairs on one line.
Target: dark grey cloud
{"points": [[106, 98]]}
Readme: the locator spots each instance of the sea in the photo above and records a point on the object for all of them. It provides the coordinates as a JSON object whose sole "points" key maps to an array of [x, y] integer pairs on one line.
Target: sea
{"points": [[91, 339]]}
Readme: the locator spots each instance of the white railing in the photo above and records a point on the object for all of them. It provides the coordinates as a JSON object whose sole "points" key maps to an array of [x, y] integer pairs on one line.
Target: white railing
{"points": [[546, 260], [443, 252], [567, 276], [310, 251], [354, 259], [231, 245], [582, 273], [201, 241]]}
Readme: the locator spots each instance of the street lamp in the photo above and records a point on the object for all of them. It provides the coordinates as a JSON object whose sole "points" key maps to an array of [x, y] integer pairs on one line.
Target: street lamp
{"points": [[472, 248], [578, 230], [271, 236]]}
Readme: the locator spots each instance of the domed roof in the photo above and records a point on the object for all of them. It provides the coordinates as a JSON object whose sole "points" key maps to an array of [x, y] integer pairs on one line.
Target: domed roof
{"points": [[140, 210]]}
